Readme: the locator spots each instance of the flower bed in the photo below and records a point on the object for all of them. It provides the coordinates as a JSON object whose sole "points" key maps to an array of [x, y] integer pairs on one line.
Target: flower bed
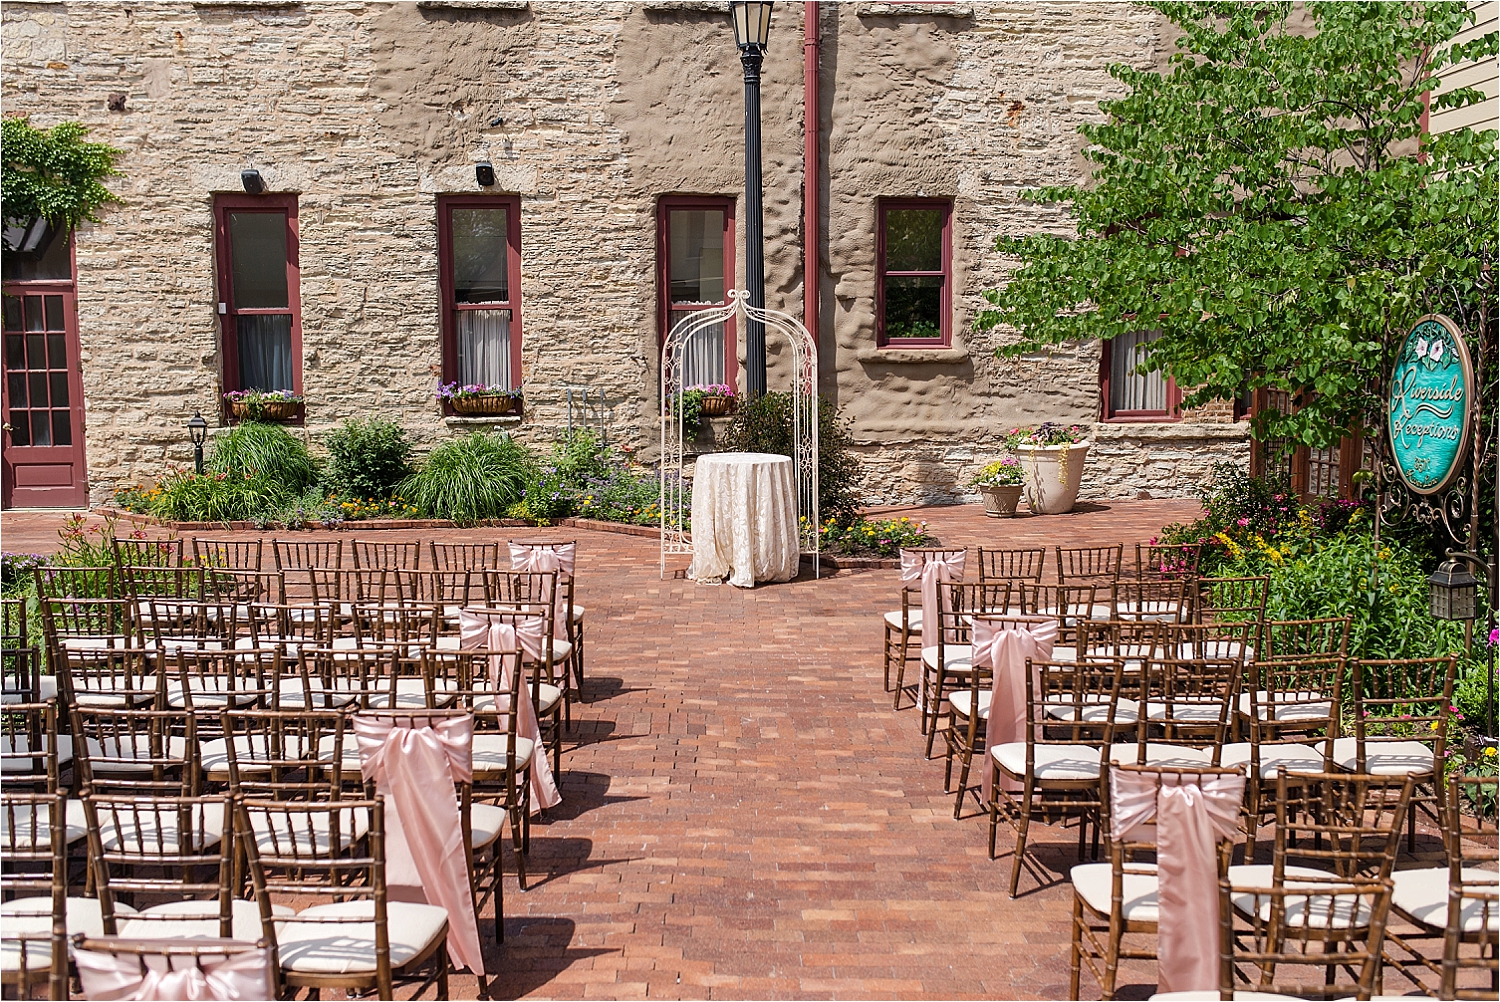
{"points": [[879, 538]]}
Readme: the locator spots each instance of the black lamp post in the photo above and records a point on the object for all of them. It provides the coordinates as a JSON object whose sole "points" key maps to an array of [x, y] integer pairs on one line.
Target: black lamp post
{"points": [[752, 28], [198, 433]]}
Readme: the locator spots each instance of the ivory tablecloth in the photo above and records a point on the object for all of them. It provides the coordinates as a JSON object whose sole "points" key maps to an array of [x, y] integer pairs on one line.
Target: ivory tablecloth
{"points": [[744, 519]]}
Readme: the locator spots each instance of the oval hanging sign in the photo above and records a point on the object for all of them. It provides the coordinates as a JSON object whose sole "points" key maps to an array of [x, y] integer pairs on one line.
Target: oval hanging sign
{"points": [[1431, 405]]}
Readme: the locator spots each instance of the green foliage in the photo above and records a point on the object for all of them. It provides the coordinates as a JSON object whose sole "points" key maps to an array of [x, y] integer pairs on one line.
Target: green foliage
{"points": [[1004, 472], [261, 451], [366, 458], [1473, 696], [53, 172], [476, 477], [583, 477], [692, 412], [882, 537], [1262, 205], [184, 496], [765, 425]]}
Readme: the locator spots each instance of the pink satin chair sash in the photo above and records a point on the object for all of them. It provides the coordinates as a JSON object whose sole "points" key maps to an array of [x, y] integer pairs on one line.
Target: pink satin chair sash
{"points": [[522, 633], [562, 559], [1190, 818], [1005, 652], [414, 769], [115, 976], [928, 570]]}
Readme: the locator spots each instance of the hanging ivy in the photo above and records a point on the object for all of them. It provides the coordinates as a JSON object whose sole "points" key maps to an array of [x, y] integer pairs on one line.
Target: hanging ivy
{"points": [[53, 173]]}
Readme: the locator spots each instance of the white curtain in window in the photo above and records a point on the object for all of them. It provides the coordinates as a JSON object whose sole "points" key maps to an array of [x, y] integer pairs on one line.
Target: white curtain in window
{"points": [[484, 347], [703, 355], [265, 348], [1128, 390]]}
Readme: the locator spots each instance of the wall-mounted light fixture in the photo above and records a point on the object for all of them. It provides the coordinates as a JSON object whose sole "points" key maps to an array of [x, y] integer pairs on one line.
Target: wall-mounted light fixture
{"points": [[252, 181], [484, 173]]}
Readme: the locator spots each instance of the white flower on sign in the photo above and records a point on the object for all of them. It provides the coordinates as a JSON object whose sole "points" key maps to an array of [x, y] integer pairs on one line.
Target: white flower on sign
{"points": [[1421, 347], [1437, 351]]}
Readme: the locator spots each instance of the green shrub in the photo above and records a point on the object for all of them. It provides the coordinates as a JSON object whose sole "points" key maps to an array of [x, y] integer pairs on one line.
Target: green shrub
{"points": [[1472, 694], [476, 477], [765, 425], [366, 458], [184, 496], [263, 451]]}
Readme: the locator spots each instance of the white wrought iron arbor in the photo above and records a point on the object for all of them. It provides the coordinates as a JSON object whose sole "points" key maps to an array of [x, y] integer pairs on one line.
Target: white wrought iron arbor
{"points": [[674, 495]]}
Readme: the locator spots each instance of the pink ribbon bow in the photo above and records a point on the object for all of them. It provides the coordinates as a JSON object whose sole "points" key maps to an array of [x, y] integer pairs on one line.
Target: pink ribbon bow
{"points": [[414, 769], [1005, 652], [562, 559], [930, 569], [1190, 815], [477, 631], [113, 976]]}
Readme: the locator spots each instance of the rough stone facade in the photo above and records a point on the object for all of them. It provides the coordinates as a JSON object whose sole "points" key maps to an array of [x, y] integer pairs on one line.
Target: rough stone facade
{"points": [[368, 111]]}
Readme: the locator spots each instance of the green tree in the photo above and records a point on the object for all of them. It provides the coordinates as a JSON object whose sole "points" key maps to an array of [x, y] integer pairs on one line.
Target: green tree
{"points": [[54, 173], [1271, 204]]}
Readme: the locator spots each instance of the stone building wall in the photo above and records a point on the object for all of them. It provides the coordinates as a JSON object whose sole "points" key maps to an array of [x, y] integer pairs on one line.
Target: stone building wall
{"points": [[369, 111]]}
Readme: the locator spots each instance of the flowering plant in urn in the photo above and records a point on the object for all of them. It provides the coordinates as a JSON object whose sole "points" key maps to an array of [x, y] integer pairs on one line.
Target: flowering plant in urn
{"points": [[1000, 484], [1053, 456]]}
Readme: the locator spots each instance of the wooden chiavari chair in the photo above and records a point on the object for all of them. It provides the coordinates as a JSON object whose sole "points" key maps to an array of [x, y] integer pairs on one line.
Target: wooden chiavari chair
{"points": [[298, 559], [228, 554], [21, 679], [949, 656], [144, 753], [37, 911], [1167, 561], [537, 591], [570, 613], [1012, 565], [281, 754], [359, 940], [104, 679], [1232, 602], [32, 752], [1090, 564], [466, 556], [1154, 600], [1190, 711], [1300, 639], [906, 622], [204, 680], [1070, 604], [371, 554], [142, 553]]}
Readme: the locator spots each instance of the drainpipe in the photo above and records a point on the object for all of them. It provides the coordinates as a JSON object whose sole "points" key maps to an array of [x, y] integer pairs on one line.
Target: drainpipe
{"points": [[811, 180]]}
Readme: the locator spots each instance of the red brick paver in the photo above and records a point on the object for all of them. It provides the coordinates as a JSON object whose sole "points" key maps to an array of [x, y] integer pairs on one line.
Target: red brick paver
{"points": [[745, 816]]}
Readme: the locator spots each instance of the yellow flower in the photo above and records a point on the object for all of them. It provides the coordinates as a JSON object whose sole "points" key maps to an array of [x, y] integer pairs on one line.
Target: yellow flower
{"points": [[1490, 752]]}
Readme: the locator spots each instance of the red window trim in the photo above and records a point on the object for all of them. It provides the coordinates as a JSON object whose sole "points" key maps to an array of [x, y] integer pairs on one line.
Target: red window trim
{"points": [[1174, 397], [946, 324], [228, 339], [445, 205], [664, 207]]}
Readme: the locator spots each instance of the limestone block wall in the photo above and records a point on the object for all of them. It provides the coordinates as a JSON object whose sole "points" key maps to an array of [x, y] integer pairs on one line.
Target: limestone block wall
{"points": [[590, 112]]}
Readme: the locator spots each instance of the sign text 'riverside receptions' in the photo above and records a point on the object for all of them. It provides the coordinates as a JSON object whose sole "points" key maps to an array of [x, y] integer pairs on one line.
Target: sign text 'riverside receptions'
{"points": [[1431, 405]]}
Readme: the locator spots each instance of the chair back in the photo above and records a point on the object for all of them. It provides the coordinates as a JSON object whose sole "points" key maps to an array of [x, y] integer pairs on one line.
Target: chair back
{"points": [[206, 622], [1167, 561], [409, 623], [101, 678], [1074, 703], [1297, 702], [1233, 640], [286, 755], [1343, 823], [34, 884], [142, 753], [76, 624], [466, 556], [1012, 565], [203, 679], [923, 555], [358, 678], [1473, 895], [1295, 639], [229, 584], [1153, 599], [77, 582], [28, 746], [1098, 564], [1190, 703], [1130, 640], [1233, 600], [20, 661], [372, 554], [168, 968], [292, 626], [1069, 604], [529, 591], [300, 555], [141, 553], [228, 554], [155, 581], [1403, 701]]}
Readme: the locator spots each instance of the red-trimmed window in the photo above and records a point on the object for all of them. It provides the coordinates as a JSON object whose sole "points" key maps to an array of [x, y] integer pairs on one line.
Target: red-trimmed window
{"points": [[695, 265], [259, 292], [1128, 394], [914, 289], [479, 243]]}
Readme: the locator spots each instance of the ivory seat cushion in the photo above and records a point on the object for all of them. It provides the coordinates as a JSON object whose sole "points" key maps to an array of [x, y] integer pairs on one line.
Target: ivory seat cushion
{"points": [[119, 755], [212, 692], [46, 689], [1306, 704], [197, 920], [1190, 711], [491, 754], [143, 828], [18, 743], [1384, 758], [1169, 756], [913, 620], [1345, 908], [1098, 611], [1294, 758], [304, 834], [1058, 762], [75, 825], [252, 752], [31, 919], [1095, 711], [547, 695], [349, 947], [960, 699], [577, 613], [485, 822], [958, 659], [1422, 896], [1213, 996], [1149, 612], [1093, 882]]}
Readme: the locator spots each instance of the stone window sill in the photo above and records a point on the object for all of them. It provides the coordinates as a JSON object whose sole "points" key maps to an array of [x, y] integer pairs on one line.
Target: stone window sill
{"points": [[912, 356], [482, 421]]}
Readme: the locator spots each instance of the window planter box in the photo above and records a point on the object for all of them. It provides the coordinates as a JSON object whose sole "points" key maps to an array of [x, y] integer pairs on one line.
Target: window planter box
{"points": [[269, 410], [717, 406], [485, 406]]}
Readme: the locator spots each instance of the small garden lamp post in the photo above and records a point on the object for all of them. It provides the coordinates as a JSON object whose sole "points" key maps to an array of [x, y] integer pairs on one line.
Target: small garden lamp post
{"points": [[198, 433], [1451, 591], [752, 29]]}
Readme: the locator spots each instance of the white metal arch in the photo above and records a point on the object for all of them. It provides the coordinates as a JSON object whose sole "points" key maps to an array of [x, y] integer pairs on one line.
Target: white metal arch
{"points": [[675, 507]]}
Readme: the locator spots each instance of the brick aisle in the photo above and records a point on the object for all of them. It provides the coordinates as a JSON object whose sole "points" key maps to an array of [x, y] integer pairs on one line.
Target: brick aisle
{"points": [[745, 816]]}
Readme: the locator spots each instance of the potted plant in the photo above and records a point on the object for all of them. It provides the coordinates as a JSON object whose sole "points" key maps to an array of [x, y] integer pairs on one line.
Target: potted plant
{"points": [[476, 399], [1000, 484], [698, 401], [717, 399], [1052, 456], [263, 405]]}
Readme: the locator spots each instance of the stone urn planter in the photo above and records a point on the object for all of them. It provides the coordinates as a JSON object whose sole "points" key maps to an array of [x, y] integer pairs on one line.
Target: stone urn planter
{"points": [[1053, 475], [1000, 500]]}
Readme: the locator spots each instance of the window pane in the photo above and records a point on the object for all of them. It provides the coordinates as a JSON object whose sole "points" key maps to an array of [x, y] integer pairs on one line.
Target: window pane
{"points": [[54, 313], [15, 351], [914, 307], [15, 384], [36, 351], [484, 347], [257, 259], [696, 239], [54, 264], [34, 320], [38, 388], [265, 344], [1129, 391], [57, 351], [20, 428], [41, 428], [481, 267], [12, 313], [914, 240], [59, 381], [62, 428], [703, 356]]}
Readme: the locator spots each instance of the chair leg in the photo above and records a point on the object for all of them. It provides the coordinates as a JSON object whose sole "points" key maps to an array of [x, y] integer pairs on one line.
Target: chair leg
{"points": [[901, 668], [989, 763], [963, 777], [1021, 829], [886, 652], [1076, 957], [442, 972]]}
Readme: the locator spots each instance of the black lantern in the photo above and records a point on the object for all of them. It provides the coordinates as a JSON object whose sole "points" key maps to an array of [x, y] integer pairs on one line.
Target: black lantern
{"points": [[198, 434], [1451, 591], [752, 24], [752, 29]]}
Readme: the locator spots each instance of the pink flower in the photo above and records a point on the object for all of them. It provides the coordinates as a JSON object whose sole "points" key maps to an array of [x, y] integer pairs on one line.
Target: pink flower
{"points": [[1495, 637], [1242, 522]]}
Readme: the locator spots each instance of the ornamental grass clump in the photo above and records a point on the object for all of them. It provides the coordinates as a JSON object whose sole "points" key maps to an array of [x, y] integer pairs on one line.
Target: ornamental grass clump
{"points": [[261, 451], [476, 477]]}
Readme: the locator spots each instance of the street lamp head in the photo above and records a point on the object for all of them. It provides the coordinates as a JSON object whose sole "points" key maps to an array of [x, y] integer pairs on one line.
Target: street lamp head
{"points": [[752, 25], [197, 429]]}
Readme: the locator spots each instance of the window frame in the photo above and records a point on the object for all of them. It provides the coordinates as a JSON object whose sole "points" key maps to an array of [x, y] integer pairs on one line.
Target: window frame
{"points": [[1172, 413], [445, 206], [664, 208], [945, 339], [229, 343]]}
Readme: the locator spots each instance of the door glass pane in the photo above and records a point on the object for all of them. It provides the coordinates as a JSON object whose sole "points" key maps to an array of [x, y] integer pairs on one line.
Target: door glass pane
{"points": [[36, 351], [15, 385], [15, 351], [41, 428], [34, 319], [1129, 390], [265, 343], [57, 351], [20, 428], [483, 347], [481, 268], [914, 240], [12, 313], [62, 428], [696, 265], [59, 382], [257, 255], [914, 306], [38, 388], [54, 313]]}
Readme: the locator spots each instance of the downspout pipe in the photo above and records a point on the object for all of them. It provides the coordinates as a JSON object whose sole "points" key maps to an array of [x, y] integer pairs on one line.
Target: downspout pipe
{"points": [[811, 180]]}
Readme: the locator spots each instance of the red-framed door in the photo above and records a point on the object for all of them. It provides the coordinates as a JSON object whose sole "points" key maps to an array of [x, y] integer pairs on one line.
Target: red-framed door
{"points": [[44, 457]]}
